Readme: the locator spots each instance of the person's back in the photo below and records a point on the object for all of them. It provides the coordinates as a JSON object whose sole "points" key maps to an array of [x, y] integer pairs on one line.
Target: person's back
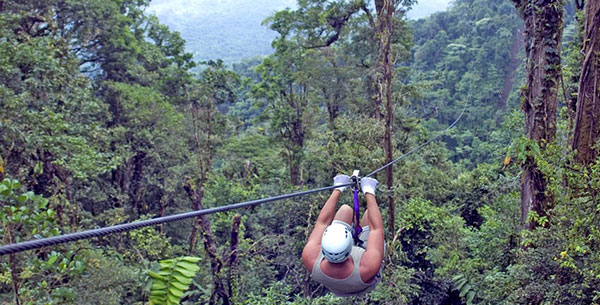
{"points": [[330, 254], [352, 284]]}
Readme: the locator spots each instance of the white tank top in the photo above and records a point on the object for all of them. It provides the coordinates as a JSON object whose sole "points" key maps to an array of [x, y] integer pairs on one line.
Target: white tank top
{"points": [[350, 286]]}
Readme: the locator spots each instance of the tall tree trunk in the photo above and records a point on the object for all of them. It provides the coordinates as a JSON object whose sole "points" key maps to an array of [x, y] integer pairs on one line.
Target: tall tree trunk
{"points": [[299, 146], [294, 172], [14, 264], [332, 110], [294, 131], [210, 246], [570, 95], [587, 118], [135, 182], [197, 204], [543, 33], [201, 114], [334, 99], [386, 31], [14, 276], [379, 82], [233, 256]]}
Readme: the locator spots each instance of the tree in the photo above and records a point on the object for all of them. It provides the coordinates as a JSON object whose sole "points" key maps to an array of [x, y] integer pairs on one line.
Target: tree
{"points": [[216, 87], [284, 91], [539, 96], [39, 277], [587, 118], [51, 125], [385, 28], [147, 128], [333, 80], [386, 14], [379, 34]]}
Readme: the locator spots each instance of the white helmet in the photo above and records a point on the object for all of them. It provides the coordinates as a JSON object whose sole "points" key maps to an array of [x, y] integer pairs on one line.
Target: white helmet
{"points": [[336, 243]]}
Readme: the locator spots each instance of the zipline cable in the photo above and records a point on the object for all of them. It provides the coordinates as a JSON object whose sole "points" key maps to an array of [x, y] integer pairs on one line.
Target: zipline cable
{"points": [[50, 241], [420, 146], [45, 242]]}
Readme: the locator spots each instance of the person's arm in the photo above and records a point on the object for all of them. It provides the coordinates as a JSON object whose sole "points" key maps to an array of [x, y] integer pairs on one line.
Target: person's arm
{"points": [[313, 245], [373, 256]]}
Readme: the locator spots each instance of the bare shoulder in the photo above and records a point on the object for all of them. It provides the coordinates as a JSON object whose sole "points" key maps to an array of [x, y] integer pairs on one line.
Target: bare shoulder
{"points": [[310, 254], [373, 256], [370, 264]]}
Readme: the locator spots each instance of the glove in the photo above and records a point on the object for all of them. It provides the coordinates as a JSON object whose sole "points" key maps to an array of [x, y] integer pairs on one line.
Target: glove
{"points": [[368, 185], [341, 180]]}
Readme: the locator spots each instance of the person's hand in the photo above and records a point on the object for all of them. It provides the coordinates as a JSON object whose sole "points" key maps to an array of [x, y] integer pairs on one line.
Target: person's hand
{"points": [[341, 180], [368, 185]]}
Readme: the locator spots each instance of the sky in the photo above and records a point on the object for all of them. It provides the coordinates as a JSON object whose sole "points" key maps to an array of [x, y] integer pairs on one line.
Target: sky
{"points": [[426, 7], [200, 7], [207, 7]]}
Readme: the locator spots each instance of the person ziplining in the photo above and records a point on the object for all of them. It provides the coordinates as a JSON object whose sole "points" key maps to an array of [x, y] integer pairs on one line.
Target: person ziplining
{"points": [[346, 260]]}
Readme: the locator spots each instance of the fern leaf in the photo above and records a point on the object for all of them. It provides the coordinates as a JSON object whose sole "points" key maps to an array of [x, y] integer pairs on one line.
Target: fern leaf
{"points": [[176, 292], [190, 259], [188, 266], [156, 276], [180, 286], [184, 272], [172, 280], [171, 299]]}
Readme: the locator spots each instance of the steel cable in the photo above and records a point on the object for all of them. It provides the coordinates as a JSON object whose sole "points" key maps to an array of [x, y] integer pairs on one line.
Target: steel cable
{"points": [[50, 241], [418, 147]]}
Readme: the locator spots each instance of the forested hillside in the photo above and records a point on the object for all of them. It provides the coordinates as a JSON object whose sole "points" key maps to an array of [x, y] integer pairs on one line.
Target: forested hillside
{"points": [[106, 120], [226, 30], [469, 56], [232, 30]]}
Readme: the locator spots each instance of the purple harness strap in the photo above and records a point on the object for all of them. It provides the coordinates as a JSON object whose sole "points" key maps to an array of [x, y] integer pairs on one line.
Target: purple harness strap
{"points": [[357, 228]]}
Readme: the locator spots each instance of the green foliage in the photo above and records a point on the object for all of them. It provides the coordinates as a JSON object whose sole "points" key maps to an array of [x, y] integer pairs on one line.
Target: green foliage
{"points": [[470, 54], [104, 119], [108, 279], [171, 279], [284, 93], [349, 146], [149, 244], [43, 86], [464, 286], [277, 293], [24, 216], [397, 283]]}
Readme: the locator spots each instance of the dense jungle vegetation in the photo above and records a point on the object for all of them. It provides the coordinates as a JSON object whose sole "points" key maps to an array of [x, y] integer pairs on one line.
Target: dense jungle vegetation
{"points": [[103, 121]]}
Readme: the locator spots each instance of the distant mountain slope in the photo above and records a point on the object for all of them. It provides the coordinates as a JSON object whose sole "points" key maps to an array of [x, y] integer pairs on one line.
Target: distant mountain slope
{"points": [[471, 54], [226, 29], [231, 29], [425, 8]]}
